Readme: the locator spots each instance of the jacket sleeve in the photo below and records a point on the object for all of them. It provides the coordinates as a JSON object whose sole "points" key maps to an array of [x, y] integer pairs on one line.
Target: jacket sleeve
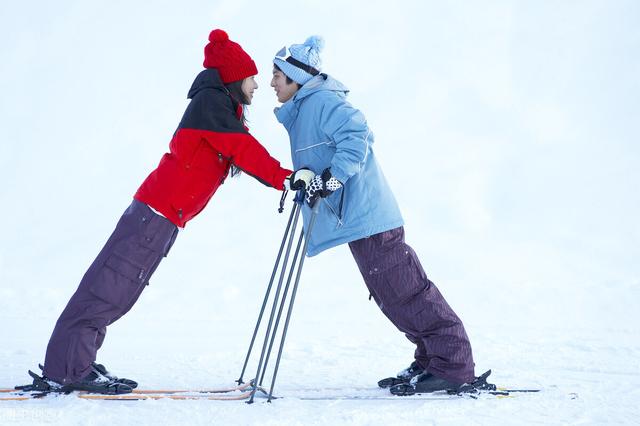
{"points": [[347, 127], [226, 134]]}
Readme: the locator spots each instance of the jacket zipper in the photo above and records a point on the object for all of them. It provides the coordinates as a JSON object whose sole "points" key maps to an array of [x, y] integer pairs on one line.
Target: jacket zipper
{"points": [[339, 214]]}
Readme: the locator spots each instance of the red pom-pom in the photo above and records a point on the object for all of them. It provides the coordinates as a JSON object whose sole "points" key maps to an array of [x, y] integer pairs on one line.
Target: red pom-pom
{"points": [[218, 36]]}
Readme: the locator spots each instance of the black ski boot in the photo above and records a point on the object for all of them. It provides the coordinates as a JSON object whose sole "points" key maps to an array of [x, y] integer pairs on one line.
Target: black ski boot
{"points": [[101, 369], [95, 382], [424, 383], [428, 383], [403, 377]]}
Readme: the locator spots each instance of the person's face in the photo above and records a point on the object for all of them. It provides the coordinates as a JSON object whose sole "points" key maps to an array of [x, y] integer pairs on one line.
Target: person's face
{"points": [[249, 85], [284, 90]]}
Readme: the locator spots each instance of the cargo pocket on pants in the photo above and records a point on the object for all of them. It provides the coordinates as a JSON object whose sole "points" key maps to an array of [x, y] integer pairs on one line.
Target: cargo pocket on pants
{"points": [[397, 277], [159, 235], [118, 281]]}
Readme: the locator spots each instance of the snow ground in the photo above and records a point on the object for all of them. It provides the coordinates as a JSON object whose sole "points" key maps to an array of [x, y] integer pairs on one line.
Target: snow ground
{"points": [[511, 143], [586, 372]]}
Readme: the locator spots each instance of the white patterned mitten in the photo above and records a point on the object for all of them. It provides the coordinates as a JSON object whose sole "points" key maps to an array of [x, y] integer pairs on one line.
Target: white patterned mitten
{"points": [[321, 186]]}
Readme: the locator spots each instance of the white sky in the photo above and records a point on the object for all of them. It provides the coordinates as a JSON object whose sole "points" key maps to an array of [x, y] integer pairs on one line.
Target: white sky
{"points": [[508, 130]]}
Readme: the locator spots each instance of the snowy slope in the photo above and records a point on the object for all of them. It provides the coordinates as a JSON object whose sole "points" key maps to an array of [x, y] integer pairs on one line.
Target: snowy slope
{"points": [[507, 130]]}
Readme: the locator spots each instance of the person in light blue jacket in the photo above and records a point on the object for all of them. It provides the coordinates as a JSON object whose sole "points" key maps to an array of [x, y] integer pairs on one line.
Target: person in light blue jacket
{"points": [[332, 139], [333, 135]]}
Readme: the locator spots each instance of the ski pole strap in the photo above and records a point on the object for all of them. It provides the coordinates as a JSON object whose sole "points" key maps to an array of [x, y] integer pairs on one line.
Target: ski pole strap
{"points": [[284, 197]]}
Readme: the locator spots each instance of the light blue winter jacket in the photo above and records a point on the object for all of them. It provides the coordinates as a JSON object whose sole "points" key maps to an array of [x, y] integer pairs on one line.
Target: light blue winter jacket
{"points": [[326, 131]]}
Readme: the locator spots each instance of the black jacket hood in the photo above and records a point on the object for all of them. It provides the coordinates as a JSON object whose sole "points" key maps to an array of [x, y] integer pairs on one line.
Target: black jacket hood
{"points": [[207, 79]]}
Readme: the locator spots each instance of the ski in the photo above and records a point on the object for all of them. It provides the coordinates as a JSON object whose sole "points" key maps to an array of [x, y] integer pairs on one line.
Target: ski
{"points": [[237, 395], [478, 389], [421, 397], [223, 394], [241, 387], [247, 394], [40, 389], [368, 398], [305, 395], [173, 396], [134, 397]]}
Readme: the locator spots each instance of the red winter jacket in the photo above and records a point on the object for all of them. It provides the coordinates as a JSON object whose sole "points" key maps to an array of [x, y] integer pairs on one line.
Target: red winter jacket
{"points": [[209, 139]]}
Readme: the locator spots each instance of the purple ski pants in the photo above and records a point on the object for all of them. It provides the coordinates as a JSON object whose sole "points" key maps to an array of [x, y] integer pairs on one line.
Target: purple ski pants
{"points": [[412, 302], [108, 290]]}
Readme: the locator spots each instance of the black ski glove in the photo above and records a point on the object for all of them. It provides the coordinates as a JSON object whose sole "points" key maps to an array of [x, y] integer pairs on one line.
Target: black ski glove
{"points": [[299, 179], [321, 186]]}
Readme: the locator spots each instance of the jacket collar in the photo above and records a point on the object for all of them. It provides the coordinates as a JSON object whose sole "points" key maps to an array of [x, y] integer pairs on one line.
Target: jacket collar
{"points": [[288, 112]]}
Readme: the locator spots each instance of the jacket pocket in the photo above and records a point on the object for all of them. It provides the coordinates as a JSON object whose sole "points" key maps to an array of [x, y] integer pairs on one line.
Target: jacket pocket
{"points": [[335, 205]]}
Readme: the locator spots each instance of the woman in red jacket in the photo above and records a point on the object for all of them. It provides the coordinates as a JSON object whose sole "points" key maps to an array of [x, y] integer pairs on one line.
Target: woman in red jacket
{"points": [[211, 140]]}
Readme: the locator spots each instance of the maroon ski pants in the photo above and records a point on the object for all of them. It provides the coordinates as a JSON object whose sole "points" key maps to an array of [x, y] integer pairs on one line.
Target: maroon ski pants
{"points": [[400, 287], [108, 290]]}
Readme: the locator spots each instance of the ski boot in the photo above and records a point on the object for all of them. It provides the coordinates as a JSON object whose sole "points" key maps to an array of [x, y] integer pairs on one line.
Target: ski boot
{"points": [[92, 382], [428, 383], [403, 377], [95, 382], [424, 383], [101, 369]]}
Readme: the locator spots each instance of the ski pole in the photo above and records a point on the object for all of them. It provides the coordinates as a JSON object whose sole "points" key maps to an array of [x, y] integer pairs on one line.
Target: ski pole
{"points": [[294, 212], [283, 300], [275, 302], [314, 213]]}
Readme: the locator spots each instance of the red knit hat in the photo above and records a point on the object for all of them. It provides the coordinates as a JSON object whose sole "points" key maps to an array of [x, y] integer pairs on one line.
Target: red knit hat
{"points": [[228, 58]]}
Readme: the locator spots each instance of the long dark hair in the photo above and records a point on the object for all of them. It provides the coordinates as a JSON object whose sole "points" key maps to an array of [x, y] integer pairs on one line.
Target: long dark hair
{"points": [[238, 98], [236, 93]]}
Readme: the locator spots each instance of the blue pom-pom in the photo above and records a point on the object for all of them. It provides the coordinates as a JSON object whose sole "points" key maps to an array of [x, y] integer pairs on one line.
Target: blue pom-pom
{"points": [[315, 42]]}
